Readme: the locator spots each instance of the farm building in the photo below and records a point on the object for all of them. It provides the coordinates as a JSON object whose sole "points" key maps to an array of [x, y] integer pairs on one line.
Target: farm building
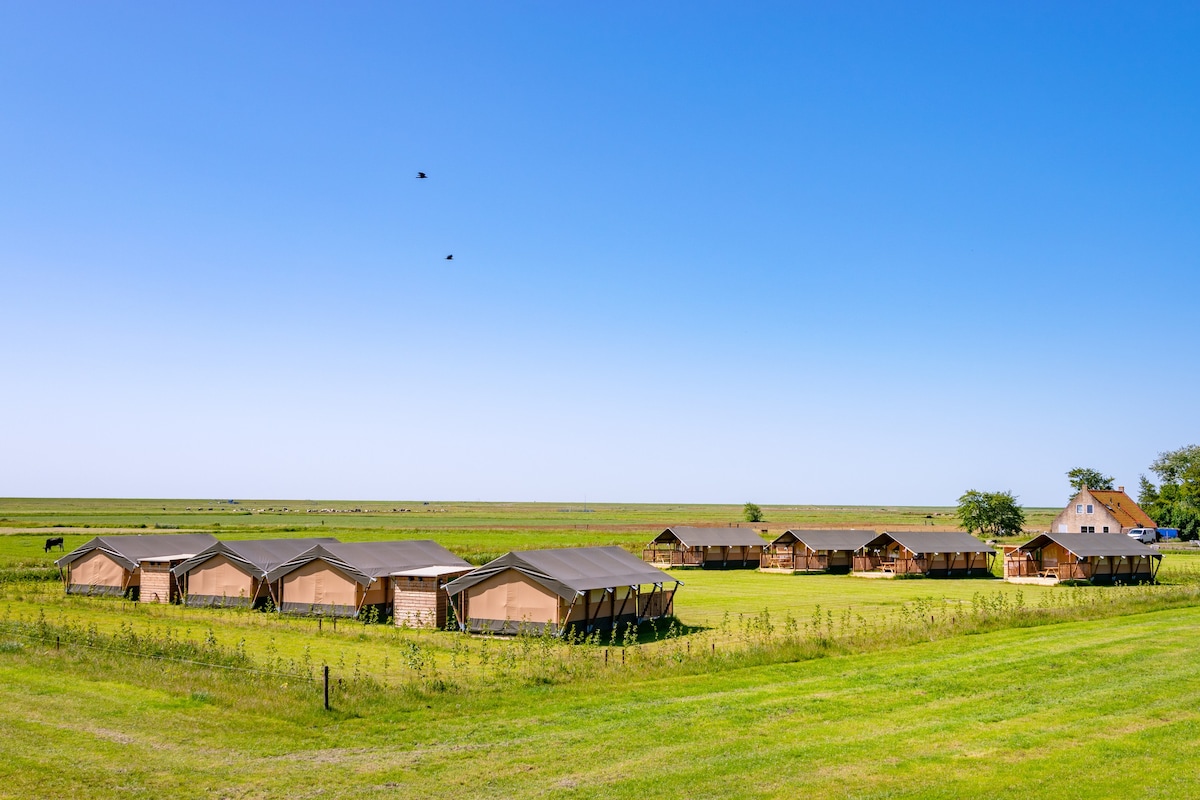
{"points": [[815, 551], [234, 573], [135, 565], [719, 548], [1095, 557], [941, 554], [582, 588], [343, 579], [1096, 511]]}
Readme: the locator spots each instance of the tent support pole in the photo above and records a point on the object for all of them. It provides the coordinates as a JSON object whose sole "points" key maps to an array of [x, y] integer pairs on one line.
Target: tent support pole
{"points": [[562, 628]]}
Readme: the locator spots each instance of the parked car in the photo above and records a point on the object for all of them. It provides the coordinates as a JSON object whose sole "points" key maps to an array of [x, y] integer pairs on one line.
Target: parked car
{"points": [[1144, 535]]}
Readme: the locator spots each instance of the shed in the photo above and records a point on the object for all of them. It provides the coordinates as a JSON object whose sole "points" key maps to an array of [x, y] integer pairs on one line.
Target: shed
{"points": [[815, 550], [712, 548], [943, 554], [136, 565], [233, 573], [583, 588], [1095, 557], [343, 579]]}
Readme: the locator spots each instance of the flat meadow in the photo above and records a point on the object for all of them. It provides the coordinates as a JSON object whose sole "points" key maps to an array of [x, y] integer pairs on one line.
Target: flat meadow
{"points": [[763, 685]]}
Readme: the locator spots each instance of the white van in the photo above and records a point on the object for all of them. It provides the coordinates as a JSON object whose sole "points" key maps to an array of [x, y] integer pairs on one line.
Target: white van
{"points": [[1144, 535]]}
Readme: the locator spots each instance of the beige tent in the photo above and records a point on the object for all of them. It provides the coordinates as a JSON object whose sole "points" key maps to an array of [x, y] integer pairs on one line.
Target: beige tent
{"points": [[138, 565], [711, 548], [343, 579], [815, 550], [233, 573], [1094, 557], [583, 588]]}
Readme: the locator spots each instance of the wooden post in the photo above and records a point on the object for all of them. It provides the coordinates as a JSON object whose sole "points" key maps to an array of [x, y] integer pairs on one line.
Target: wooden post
{"points": [[326, 671], [57, 642], [335, 623], [318, 624], [606, 656]]}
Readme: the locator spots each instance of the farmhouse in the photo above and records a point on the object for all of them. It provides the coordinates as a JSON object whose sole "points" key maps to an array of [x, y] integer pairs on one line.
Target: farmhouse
{"points": [[815, 551], [234, 573], [581, 588], [1095, 557], [719, 548], [138, 566], [943, 554], [1097, 511], [343, 579]]}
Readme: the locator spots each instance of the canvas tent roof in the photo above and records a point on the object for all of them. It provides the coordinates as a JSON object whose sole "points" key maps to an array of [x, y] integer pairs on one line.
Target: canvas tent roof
{"points": [[933, 541], [258, 556], [711, 537], [568, 571], [366, 561], [132, 549], [827, 539], [1092, 544]]}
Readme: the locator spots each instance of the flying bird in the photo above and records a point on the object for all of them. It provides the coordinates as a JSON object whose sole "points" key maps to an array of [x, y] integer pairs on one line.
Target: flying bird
{"points": [[422, 175], [450, 257]]}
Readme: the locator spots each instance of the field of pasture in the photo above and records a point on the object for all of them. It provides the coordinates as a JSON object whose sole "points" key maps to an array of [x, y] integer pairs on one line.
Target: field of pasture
{"points": [[764, 685]]}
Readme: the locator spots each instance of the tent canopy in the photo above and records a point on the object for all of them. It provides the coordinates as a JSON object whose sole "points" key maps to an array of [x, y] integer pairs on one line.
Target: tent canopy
{"points": [[131, 550], [366, 561], [818, 540], [1086, 545], [256, 556], [711, 537], [569, 571], [922, 542]]}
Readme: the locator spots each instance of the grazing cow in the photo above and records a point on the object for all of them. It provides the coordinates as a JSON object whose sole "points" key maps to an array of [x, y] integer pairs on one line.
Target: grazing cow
{"points": [[53, 542]]}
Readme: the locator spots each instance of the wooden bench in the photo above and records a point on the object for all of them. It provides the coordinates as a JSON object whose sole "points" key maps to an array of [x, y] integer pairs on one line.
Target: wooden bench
{"points": [[1048, 572], [889, 566]]}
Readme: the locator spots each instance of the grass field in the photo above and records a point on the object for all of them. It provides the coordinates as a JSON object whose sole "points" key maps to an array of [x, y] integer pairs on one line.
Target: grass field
{"points": [[1103, 708], [768, 685]]}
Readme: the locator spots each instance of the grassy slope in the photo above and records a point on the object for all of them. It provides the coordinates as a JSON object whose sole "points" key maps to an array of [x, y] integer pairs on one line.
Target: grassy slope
{"points": [[1102, 708]]}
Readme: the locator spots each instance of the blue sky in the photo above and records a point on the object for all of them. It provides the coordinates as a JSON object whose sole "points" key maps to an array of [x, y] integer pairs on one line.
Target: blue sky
{"points": [[704, 252]]}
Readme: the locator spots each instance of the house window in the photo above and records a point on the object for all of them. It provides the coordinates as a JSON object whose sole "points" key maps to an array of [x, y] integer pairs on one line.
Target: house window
{"points": [[1091, 508], [1087, 529], [1079, 508], [1106, 529]]}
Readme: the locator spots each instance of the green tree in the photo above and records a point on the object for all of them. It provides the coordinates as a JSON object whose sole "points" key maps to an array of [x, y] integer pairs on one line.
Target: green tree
{"points": [[1175, 501], [991, 513], [752, 513], [1092, 478]]}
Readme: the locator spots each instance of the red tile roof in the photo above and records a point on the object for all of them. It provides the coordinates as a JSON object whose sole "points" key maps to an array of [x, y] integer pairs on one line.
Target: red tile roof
{"points": [[1122, 506]]}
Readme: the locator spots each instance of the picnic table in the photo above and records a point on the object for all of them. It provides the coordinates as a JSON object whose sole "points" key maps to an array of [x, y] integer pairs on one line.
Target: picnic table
{"points": [[1048, 572]]}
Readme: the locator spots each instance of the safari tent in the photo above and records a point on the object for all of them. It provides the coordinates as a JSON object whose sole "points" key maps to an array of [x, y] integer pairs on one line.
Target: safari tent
{"points": [[343, 579], [233, 573], [1094, 557], [815, 550], [135, 565], [941, 554], [712, 548], [585, 588]]}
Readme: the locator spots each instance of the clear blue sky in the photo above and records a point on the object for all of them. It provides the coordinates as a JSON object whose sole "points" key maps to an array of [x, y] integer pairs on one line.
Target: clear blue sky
{"points": [[710, 252]]}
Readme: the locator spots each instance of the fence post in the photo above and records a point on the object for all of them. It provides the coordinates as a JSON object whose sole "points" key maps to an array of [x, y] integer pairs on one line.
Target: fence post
{"points": [[57, 642], [318, 624], [326, 671]]}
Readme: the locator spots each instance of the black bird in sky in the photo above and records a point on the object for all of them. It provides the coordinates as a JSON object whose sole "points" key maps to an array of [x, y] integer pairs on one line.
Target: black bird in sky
{"points": [[422, 175], [450, 257]]}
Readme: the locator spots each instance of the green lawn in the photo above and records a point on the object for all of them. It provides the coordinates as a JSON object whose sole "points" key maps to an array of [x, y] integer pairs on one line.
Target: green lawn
{"points": [[1102, 708]]}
